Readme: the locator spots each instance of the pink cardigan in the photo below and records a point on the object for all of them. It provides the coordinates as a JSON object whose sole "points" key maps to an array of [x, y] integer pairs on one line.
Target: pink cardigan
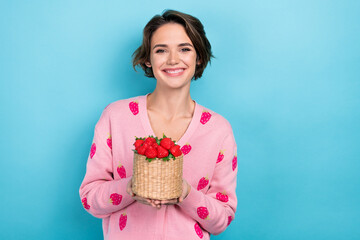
{"points": [[210, 167]]}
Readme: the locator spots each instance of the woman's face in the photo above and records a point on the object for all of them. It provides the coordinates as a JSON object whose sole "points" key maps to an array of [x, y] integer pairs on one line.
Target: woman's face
{"points": [[172, 56]]}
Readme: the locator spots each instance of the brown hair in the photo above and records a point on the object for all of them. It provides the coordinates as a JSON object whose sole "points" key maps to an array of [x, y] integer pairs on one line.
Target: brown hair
{"points": [[194, 29]]}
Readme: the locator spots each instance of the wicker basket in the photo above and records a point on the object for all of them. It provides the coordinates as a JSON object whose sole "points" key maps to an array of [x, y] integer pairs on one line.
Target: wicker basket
{"points": [[157, 179]]}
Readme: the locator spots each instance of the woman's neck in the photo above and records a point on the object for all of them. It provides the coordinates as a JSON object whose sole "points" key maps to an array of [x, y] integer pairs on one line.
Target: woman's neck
{"points": [[171, 104]]}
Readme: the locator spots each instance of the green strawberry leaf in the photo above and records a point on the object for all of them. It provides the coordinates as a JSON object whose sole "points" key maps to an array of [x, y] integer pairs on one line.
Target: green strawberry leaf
{"points": [[149, 159], [171, 156]]}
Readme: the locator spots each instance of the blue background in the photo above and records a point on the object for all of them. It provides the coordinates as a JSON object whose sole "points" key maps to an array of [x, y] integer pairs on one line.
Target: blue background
{"points": [[286, 76]]}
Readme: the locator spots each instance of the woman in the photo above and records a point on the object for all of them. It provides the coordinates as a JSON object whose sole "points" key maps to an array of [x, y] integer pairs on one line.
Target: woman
{"points": [[174, 51]]}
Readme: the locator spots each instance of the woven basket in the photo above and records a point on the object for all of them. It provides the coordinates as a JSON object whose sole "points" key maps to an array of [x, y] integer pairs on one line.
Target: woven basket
{"points": [[158, 179]]}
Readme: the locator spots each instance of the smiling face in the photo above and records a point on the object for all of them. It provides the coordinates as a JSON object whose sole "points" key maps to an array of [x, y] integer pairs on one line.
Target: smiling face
{"points": [[172, 56]]}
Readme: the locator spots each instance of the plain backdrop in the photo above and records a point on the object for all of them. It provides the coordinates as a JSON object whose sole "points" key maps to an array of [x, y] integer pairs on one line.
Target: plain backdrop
{"points": [[286, 76]]}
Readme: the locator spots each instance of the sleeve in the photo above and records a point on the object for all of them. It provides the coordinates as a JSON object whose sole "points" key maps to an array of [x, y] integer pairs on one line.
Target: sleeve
{"points": [[100, 194], [215, 209]]}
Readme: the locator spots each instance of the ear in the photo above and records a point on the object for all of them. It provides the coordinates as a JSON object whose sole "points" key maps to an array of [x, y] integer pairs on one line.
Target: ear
{"points": [[198, 62], [148, 64]]}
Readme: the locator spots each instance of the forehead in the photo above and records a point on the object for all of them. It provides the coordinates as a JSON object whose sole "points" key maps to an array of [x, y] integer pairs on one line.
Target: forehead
{"points": [[170, 34]]}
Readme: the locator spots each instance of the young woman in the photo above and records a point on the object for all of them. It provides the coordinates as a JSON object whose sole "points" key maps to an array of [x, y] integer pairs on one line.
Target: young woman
{"points": [[174, 51]]}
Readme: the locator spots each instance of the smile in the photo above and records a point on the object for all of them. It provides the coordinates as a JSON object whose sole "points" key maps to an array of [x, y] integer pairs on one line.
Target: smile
{"points": [[174, 70]]}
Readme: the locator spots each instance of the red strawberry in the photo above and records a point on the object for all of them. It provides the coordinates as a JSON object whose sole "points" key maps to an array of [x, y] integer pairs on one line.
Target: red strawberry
{"points": [[205, 117], [134, 107], [203, 182], [166, 143], [220, 157], [151, 152], [198, 230], [229, 220], [234, 163], [175, 150], [138, 143], [162, 152], [203, 212], [115, 199], [142, 149], [92, 150], [109, 142], [121, 171], [150, 140], [186, 149], [222, 197], [122, 221], [84, 203]]}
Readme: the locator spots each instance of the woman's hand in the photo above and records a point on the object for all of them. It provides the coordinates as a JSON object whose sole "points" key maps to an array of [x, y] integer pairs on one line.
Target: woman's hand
{"points": [[142, 200], [186, 190], [157, 203]]}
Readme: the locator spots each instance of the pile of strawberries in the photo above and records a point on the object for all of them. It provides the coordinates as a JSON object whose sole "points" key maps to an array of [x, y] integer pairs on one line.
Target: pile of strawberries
{"points": [[153, 147]]}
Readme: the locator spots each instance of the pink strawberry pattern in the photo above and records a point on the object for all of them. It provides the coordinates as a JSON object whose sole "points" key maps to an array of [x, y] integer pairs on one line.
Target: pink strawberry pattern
{"points": [[92, 150], [203, 182], [134, 107], [84, 203], [234, 163], [229, 220], [222, 197], [186, 149], [205, 117], [121, 171], [203, 212], [122, 221], [109, 141], [220, 156], [115, 199], [198, 230]]}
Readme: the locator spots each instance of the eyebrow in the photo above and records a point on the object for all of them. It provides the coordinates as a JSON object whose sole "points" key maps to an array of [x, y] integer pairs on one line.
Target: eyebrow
{"points": [[180, 45]]}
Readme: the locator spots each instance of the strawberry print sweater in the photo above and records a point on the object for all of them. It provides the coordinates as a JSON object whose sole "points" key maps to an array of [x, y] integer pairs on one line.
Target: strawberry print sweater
{"points": [[210, 167]]}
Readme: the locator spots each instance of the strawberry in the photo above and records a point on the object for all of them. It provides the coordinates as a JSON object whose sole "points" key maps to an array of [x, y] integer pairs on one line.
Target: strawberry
{"points": [[115, 199], [166, 143], [203, 182], [84, 203], [109, 141], [203, 212], [222, 197], [150, 140], [122, 221], [155, 145], [198, 230], [220, 157], [175, 150], [92, 150], [151, 152], [234, 163], [162, 152], [134, 107], [205, 117], [186, 149], [229, 220], [121, 171], [138, 143], [142, 149]]}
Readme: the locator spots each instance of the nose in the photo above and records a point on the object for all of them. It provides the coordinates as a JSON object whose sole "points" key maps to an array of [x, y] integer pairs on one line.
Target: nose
{"points": [[173, 58]]}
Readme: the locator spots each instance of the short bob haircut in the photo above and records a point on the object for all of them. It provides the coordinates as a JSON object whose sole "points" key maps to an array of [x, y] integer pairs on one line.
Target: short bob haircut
{"points": [[195, 31]]}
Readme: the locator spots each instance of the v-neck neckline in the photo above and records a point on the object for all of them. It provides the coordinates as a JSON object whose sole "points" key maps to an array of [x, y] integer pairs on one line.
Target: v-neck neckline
{"points": [[149, 131]]}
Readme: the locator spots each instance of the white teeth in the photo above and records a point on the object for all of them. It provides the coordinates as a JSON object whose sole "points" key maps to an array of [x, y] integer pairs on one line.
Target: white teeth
{"points": [[174, 71]]}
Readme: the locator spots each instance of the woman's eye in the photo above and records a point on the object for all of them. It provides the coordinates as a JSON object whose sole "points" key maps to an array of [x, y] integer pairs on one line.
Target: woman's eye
{"points": [[160, 51], [185, 49]]}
